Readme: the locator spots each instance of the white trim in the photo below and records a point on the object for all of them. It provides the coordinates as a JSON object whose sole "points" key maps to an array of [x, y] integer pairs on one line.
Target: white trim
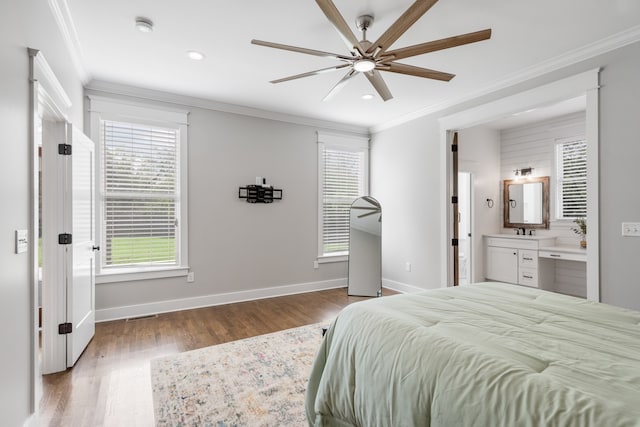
{"points": [[97, 87], [112, 108], [586, 82], [63, 18], [129, 311], [615, 41], [593, 195], [32, 421], [127, 275], [325, 259], [343, 141], [401, 287], [43, 73], [105, 108]]}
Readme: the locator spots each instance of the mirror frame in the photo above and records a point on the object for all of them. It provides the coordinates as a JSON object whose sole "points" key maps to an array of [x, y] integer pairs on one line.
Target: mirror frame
{"points": [[545, 202]]}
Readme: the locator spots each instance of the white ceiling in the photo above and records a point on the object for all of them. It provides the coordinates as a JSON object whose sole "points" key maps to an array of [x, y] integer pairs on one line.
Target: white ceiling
{"points": [[525, 35]]}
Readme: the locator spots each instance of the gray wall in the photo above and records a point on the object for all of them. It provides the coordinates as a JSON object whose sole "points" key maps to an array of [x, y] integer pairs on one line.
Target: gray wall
{"points": [[26, 23], [413, 158], [233, 245]]}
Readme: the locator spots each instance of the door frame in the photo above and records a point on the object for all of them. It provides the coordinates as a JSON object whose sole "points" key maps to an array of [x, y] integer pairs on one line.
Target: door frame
{"points": [[586, 83], [47, 97]]}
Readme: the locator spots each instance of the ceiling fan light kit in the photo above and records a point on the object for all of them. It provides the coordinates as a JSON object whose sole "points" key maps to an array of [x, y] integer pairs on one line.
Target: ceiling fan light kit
{"points": [[369, 58]]}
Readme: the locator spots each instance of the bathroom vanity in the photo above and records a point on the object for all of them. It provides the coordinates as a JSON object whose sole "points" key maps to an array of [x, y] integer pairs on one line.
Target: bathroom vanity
{"points": [[531, 261]]}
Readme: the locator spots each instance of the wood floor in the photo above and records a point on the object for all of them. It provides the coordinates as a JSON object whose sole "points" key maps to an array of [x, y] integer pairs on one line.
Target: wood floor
{"points": [[110, 384]]}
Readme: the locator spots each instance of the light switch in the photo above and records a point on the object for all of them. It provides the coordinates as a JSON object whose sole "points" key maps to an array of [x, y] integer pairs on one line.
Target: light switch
{"points": [[22, 241]]}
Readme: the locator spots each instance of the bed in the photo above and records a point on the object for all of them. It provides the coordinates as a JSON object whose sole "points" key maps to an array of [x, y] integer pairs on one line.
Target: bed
{"points": [[488, 354]]}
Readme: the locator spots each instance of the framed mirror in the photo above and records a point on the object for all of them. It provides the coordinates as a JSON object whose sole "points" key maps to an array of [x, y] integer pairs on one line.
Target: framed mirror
{"points": [[526, 203]]}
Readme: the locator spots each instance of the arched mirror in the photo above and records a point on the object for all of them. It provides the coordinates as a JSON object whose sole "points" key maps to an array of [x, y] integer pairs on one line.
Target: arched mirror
{"points": [[365, 248]]}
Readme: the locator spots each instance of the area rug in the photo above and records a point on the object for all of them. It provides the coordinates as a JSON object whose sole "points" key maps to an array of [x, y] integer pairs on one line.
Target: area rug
{"points": [[258, 381]]}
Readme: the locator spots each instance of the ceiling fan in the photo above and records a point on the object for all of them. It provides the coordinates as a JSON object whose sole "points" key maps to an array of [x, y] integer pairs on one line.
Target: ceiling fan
{"points": [[370, 58]]}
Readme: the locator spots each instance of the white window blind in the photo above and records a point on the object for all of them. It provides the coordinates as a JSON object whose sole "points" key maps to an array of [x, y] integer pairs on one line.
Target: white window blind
{"points": [[140, 195], [343, 181], [572, 179]]}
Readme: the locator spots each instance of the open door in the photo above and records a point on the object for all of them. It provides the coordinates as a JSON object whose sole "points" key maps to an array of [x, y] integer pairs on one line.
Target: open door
{"points": [[68, 212], [81, 281]]}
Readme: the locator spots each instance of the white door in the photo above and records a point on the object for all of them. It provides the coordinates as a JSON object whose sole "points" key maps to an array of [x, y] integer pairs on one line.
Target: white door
{"points": [[464, 227], [81, 280]]}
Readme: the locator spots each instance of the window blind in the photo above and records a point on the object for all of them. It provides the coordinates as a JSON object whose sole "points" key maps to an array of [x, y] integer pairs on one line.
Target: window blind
{"points": [[572, 176], [140, 194], [343, 182]]}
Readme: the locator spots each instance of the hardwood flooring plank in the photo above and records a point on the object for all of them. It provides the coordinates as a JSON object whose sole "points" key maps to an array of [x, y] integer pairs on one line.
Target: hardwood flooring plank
{"points": [[111, 384]]}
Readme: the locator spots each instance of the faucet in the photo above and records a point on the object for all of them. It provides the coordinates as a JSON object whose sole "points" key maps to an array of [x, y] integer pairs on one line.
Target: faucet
{"points": [[524, 232]]}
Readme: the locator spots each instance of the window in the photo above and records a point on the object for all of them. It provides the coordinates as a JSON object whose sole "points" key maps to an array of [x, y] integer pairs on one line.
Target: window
{"points": [[141, 212], [343, 175], [571, 189]]}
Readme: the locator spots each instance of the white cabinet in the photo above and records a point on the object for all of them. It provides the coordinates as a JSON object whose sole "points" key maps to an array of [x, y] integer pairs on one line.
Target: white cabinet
{"points": [[514, 259], [502, 264]]}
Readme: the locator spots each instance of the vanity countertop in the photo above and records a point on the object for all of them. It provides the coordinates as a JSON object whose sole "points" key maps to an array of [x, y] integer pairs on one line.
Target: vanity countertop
{"points": [[520, 236]]}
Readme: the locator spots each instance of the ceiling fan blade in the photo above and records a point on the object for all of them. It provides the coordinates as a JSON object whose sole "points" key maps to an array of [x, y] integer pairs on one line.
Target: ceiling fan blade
{"points": [[379, 85], [394, 67], [301, 50], [333, 15], [402, 24], [441, 44], [340, 84], [310, 73]]}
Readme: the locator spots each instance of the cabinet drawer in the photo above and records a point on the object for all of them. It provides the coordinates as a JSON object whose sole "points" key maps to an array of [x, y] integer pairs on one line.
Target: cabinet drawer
{"points": [[528, 259], [528, 277]]}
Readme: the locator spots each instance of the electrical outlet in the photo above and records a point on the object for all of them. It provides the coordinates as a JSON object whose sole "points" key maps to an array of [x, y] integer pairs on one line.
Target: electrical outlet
{"points": [[316, 265], [407, 266], [191, 277], [631, 229]]}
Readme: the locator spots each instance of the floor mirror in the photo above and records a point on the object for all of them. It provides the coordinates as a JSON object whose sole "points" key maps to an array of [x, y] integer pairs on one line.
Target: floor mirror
{"points": [[365, 248]]}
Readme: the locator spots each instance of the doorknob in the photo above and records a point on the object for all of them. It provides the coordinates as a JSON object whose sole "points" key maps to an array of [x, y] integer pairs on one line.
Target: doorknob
{"points": [[96, 248]]}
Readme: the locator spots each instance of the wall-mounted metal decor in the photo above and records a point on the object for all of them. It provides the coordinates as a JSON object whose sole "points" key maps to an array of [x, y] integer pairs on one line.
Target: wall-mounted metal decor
{"points": [[259, 194]]}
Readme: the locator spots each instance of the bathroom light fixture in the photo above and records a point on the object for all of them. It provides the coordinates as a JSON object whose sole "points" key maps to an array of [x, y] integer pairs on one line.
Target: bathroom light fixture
{"points": [[144, 25], [524, 172], [195, 55], [367, 96]]}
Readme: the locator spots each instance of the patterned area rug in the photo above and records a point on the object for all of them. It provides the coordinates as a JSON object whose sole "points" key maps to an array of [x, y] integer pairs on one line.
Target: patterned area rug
{"points": [[259, 381]]}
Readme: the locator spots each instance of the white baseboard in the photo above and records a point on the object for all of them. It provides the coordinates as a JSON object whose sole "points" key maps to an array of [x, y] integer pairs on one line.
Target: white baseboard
{"points": [[400, 287], [32, 421], [130, 311]]}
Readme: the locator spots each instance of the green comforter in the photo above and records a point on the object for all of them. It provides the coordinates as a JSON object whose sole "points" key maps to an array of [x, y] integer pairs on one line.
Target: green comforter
{"points": [[488, 354]]}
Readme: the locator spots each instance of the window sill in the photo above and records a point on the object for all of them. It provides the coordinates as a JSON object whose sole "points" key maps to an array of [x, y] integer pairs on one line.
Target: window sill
{"points": [[332, 258], [129, 274]]}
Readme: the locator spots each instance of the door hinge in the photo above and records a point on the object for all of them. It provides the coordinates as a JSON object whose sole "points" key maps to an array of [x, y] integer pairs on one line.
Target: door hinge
{"points": [[454, 148], [64, 149], [65, 328], [64, 239], [454, 199], [454, 242]]}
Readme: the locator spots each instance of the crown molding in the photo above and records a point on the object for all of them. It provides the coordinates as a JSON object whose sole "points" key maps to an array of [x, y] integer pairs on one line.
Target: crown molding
{"points": [[63, 18], [98, 87], [592, 50]]}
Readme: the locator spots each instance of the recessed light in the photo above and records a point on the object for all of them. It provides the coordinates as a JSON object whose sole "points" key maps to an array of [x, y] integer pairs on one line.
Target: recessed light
{"points": [[144, 25], [195, 55], [367, 96]]}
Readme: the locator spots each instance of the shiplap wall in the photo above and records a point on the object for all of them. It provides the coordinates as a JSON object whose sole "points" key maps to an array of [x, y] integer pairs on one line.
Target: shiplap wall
{"points": [[534, 146]]}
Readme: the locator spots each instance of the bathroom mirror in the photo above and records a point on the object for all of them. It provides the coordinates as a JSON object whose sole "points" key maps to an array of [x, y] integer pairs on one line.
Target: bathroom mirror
{"points": [[365, 248], [526, 202]]}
